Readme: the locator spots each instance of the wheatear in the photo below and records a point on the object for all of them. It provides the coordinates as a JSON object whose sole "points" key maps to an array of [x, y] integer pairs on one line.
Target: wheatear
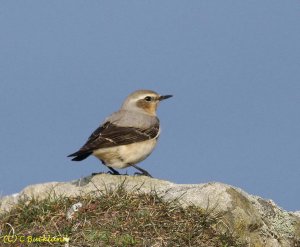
{"points": [[128, 136]]}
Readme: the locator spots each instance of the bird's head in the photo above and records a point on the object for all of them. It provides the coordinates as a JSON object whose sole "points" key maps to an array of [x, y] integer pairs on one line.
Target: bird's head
{"points": [[145, 101]]}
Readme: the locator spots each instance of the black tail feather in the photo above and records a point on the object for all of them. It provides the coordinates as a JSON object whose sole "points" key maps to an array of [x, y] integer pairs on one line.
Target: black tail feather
{"points": [[79, 156]]}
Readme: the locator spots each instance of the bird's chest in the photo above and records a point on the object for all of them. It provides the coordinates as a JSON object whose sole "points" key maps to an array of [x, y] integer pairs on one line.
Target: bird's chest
{"points": [[136, 152], [126, 155]]}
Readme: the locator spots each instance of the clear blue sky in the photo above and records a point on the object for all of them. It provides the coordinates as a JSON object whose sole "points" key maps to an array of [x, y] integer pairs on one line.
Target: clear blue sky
{"points": [[233, 67]]}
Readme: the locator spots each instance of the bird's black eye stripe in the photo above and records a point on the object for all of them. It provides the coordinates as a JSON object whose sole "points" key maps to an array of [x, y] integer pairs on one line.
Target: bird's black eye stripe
{"points": [[148, 98]]}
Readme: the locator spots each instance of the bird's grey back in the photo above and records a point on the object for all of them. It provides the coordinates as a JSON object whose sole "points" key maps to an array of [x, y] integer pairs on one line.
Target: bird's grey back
{"points": [[126, 118]]}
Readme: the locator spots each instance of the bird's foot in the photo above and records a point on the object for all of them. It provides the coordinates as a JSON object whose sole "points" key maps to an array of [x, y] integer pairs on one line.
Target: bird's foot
{"points": [[97, 173], [113, 173], [142, 171], [143, 174]]}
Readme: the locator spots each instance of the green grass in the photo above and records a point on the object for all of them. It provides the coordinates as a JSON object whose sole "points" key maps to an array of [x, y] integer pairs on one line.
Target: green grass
{"points": [[114, 218]]}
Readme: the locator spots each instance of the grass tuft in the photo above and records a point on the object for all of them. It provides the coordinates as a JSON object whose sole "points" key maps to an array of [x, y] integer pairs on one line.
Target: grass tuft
{"points": [[113, 218]]}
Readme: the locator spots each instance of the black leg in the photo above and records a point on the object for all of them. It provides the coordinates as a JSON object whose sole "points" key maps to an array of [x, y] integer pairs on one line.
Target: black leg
{"points": [[143, 172], [113, 171]]}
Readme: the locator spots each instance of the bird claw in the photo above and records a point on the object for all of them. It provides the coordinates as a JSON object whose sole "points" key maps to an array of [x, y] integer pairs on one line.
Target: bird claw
{"points": [[113, 173], [97, 173], [142, 174]]}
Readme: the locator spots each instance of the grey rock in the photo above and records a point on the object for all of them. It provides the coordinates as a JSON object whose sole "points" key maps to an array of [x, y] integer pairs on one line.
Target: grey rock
{"points": [[255, 220]]}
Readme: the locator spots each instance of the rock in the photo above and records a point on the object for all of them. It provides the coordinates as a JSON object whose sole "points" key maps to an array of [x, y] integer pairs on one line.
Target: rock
{"points": [[255, 220]]}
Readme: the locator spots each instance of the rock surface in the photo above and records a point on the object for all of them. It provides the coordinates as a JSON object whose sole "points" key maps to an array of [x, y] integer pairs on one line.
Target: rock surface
{"points": [[259, 222]]}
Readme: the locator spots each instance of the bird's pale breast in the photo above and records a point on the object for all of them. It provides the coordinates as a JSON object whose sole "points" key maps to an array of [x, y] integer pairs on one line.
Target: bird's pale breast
{"points": [[125, 155]]}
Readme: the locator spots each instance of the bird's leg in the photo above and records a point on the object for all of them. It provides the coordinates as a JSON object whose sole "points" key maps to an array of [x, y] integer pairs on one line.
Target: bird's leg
{"points": [[113, 171], [143, 172]]}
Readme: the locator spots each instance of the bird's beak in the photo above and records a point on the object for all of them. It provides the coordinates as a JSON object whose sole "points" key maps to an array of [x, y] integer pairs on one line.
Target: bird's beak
{"points": [[162, 97]]}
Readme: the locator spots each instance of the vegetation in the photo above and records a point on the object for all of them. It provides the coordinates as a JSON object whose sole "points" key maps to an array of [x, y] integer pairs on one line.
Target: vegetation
{"points": [[111, 218]]}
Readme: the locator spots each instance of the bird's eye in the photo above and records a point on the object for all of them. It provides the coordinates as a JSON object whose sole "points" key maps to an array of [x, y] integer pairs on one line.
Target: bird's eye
{"points": [[148, 98]]}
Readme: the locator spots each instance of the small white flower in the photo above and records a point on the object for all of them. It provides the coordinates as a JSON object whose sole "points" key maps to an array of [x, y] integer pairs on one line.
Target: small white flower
{"points": [[74, 208]]}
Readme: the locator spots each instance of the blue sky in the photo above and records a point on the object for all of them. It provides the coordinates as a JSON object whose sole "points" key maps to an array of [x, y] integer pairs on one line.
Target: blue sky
{"points": [[232, 66]]}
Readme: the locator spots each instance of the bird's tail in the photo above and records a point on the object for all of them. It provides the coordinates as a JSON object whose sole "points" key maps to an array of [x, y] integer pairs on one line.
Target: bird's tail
{"points": [[78, 156]]}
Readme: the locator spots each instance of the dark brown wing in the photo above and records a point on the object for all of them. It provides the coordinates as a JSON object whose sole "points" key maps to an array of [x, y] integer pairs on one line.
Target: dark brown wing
{"points": [[110, 135]]}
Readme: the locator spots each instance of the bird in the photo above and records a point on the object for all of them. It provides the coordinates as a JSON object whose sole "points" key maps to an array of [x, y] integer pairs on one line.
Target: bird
{"points": [[127, 136]]}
